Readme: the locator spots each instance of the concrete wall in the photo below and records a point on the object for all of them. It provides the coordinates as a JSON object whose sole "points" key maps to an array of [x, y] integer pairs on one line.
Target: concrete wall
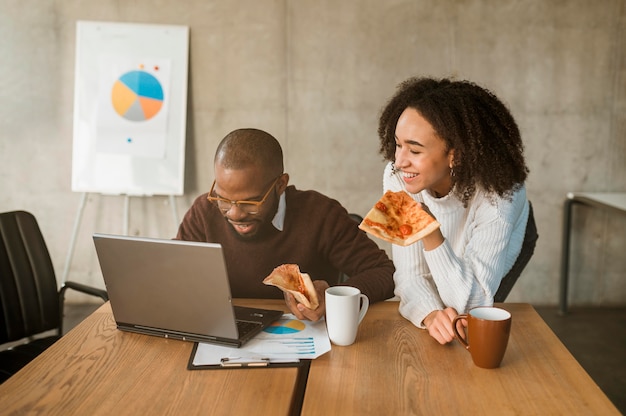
{"points": [[316, 73]]}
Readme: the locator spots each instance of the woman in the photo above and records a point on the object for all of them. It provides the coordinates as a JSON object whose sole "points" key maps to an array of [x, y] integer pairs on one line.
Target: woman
{"points": [[455, 148]]}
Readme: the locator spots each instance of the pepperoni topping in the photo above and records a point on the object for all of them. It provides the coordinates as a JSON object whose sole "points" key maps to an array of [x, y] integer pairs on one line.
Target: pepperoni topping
{"points": [[381, 207], [406, 229], [301, 288]]}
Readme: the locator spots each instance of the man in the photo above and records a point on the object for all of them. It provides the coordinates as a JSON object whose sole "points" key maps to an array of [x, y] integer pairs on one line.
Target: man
{"points": [[261, 223]]}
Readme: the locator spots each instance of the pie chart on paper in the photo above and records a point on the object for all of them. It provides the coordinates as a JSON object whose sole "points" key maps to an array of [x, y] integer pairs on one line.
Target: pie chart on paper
{"points": [[285, 327], [137, 96]]}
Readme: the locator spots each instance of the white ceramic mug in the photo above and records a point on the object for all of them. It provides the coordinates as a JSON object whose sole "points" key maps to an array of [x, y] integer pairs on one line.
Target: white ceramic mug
{"points": [[345, 308]]}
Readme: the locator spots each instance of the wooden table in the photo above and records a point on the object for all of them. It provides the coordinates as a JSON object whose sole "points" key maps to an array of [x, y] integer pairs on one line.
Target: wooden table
{"points": [[608, 201], [394, 368], [98, 370]]}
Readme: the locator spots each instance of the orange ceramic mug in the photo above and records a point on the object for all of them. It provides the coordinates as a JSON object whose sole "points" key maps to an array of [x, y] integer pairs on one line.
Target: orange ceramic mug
{"points": [[488, 331]]}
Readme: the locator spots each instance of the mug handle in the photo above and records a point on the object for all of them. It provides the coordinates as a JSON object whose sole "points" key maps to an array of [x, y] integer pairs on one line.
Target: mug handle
{"points": [[365, 303], [456, 332]]}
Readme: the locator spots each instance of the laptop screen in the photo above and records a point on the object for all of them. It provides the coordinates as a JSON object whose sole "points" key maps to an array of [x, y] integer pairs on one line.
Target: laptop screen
{"points": [[167, 284]]}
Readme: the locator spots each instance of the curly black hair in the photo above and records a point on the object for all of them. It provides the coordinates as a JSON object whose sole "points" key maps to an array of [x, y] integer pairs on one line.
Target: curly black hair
{"points": [[488, 149]]}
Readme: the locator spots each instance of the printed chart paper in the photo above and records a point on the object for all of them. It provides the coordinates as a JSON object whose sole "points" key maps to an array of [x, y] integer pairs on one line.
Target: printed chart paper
{"points": [[286, 340], [133, 106]]}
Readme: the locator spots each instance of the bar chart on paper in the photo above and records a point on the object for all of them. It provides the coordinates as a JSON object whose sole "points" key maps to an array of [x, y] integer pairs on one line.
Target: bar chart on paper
{"points": [[291, 338]]}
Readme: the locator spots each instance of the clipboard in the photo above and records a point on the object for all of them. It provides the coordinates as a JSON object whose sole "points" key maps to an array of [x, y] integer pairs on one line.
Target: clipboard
{"points": [[229, 363], [286, 343]]}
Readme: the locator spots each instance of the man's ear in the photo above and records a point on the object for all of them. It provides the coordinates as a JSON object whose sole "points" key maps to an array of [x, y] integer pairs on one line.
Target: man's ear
{"points": [[282, 183]]}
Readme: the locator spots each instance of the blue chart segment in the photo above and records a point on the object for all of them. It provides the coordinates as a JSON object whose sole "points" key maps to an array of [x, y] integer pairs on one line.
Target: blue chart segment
{"points": [[137, 96], [285, 327]]}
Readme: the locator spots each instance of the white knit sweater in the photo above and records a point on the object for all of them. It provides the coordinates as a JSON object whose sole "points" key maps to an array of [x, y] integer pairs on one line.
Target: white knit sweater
{"points": [[481, 244]]}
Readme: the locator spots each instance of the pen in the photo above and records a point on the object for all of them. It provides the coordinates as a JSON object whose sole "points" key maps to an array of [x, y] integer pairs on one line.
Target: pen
{"points": [[230, 362]]}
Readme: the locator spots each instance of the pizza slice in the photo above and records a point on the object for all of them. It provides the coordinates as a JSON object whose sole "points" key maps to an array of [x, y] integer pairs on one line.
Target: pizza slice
{"points": [[288, 278], [398, 219]]}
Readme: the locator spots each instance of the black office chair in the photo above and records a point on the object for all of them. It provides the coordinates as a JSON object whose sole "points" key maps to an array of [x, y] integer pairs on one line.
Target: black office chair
{"points": [[29, 301], [528, 248], [356, 217]]}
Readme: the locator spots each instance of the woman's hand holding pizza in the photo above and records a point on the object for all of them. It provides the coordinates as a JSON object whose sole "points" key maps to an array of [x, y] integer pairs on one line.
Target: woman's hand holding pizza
{"points": [[435, 238], [425, 208]]}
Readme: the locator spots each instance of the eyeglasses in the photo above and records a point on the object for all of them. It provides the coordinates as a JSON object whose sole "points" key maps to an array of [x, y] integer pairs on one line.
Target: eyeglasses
{"points": [[249, 207]]}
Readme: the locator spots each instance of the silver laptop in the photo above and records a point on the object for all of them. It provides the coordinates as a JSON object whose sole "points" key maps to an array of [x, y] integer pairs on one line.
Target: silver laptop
{"points": [[175, 289]]}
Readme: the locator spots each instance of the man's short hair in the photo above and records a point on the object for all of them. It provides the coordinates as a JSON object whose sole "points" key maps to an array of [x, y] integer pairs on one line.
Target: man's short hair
{"points": [[247, 147]]}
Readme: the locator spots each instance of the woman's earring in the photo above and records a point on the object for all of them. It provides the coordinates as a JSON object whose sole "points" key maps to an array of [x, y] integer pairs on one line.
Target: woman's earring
{"points": [[451, 172], [393, 169]]}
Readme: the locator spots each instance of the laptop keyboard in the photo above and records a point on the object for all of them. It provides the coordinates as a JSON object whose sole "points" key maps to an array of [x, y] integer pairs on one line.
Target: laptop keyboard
{"points": [[246, 326]]}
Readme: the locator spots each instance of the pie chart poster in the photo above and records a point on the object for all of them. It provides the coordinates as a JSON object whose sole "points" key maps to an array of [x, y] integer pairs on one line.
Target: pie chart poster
{"points": [[130, 108]]}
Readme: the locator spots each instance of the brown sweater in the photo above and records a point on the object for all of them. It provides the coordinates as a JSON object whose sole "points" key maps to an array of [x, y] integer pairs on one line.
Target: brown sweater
{"points": [[318, 235]]}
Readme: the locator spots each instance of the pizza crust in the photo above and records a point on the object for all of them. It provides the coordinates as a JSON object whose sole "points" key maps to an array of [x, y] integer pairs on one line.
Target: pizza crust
{"points": [[287, 277]]}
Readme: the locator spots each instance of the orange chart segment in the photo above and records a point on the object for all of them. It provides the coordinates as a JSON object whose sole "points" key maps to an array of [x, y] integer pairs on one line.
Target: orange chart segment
{"points": [[150, 106], [122, 97], [285, 327]]}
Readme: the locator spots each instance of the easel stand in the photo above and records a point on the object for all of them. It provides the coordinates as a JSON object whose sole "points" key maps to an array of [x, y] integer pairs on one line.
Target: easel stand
{"points": [[79, 216]]}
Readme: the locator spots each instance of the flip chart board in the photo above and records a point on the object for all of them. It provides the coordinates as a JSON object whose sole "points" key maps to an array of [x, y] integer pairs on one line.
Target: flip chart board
{"points": [[130, 108]]}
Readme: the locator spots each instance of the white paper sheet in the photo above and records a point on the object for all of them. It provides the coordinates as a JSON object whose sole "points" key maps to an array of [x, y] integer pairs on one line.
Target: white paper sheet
{"points": [[287, 340]]}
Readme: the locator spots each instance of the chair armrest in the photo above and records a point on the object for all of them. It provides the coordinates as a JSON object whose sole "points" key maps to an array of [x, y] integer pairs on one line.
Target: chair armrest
{"points": [[102, 294]]}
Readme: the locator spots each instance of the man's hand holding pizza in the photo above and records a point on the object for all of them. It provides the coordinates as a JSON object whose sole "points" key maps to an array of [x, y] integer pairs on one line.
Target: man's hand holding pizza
{"points": [[304, 298], [301, 311]]}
